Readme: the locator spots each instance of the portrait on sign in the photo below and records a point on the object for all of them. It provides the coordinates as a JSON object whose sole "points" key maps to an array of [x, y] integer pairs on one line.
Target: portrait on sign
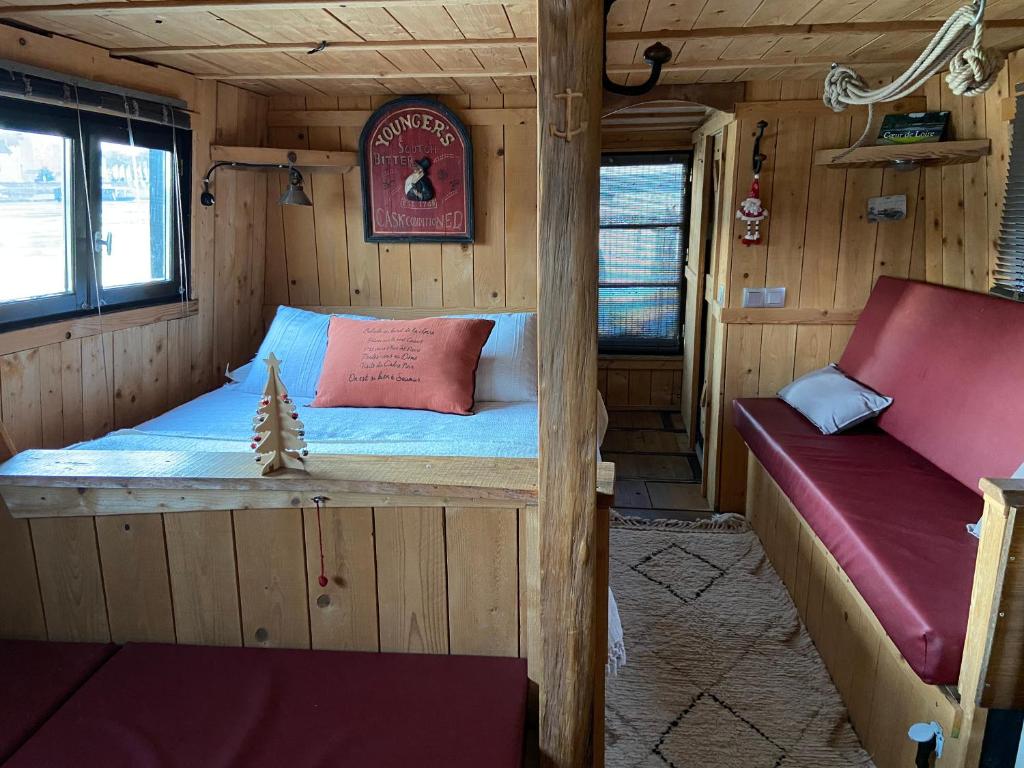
{"points": [[417, 172]]}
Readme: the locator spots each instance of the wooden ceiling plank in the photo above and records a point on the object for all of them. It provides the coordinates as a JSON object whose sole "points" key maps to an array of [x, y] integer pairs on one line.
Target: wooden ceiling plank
{"points": [[481, 21], [671, 14], [181, 29], [371, 23], [781, 12], [726, 13], [523, 19], [110, 8], [304, 44], [835, 10], [307, 26]]}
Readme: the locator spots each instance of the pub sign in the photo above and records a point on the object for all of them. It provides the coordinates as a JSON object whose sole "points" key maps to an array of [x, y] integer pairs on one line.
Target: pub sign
{"points": [[417, 168]]}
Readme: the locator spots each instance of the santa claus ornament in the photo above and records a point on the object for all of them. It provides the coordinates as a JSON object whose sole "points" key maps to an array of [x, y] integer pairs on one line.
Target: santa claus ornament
{"points": [[752, 211]]}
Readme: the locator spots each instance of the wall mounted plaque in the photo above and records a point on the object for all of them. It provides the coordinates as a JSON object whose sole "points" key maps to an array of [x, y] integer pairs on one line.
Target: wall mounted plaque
{"points": [[417, 168]]}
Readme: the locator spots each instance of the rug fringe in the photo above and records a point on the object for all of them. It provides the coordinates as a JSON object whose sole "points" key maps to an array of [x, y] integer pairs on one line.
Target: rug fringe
{"points": [[725, 522]]}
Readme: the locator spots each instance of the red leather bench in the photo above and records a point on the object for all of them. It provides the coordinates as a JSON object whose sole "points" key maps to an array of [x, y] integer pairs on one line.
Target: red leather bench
{"points": [[165, 705], [890, 501], [36, 679]]}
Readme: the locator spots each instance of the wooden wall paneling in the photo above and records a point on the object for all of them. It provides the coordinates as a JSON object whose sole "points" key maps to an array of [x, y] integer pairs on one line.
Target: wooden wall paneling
{"points": [[329, 192], [203, 278], [639, 387], [363, 257], [179, 356], [70, 580], [748, 264], [825, 203], [154, 395], [343, 615], [427, 270], [953, 206], [128, 384], [858, 235], [137, 586], [269, 547], [71, 390], [248, 326], [894, 246], [66, 560], [521, 213], [489, 213], [21, 605], [51, 396], [482, 548], [201, 561], [998, 132], [411, 574], [973, 124], [227, 225], [299, 228], [740, 379], [97, 385], [239, 267]]}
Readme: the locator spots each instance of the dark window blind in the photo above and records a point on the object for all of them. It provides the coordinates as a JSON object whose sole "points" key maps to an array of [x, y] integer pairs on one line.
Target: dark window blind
{"points": [[644, 202], [1009, 271]]}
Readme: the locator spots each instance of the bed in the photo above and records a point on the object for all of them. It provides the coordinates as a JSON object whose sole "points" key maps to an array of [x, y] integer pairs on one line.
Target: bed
{"points": [[413, 532], [495, 430]]}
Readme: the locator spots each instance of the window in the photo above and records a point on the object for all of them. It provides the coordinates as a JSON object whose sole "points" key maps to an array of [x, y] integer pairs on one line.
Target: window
{"points": [[89, 211], [1009, 272], [644, 203]]}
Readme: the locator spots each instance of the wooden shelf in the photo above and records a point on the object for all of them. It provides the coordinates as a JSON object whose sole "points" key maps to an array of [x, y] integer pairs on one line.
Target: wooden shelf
{"points": [[884, 155], [304, 158]]}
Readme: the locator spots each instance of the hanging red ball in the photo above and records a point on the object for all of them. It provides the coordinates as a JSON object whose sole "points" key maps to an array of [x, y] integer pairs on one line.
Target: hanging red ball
{"points": [[322, 580], [295, 415]]}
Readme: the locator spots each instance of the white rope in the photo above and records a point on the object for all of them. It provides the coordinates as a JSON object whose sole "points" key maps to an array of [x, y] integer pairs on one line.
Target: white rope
{"points": [[972, 68]]}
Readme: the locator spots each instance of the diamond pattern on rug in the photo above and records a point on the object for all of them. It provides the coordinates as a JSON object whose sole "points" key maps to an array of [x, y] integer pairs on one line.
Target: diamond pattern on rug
{"points": [[683, 574], [721, 672], [713, 722]]}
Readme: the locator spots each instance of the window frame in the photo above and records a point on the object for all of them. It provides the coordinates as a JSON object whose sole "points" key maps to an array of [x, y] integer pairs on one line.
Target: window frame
{"points": [[86, 207], [678, 157]]}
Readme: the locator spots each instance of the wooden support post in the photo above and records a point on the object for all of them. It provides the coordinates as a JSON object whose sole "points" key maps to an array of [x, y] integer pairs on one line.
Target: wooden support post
{"points": [[569, 106]]}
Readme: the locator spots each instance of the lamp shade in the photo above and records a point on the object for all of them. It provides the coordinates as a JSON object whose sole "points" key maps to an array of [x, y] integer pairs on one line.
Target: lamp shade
{"points": [[294, 195]]}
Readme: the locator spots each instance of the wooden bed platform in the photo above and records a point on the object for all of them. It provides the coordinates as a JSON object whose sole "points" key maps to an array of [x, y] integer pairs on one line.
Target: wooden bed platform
{"points": [[881, 691], [422, 554]]}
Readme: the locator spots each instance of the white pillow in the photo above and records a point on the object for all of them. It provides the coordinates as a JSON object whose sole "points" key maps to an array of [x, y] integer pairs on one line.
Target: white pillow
{"points": [[832, 401], [507, 372], [298, 338]]}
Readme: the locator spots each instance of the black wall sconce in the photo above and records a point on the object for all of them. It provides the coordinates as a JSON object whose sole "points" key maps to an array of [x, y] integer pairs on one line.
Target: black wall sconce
{"points": [[655, 56], [294, 195]]}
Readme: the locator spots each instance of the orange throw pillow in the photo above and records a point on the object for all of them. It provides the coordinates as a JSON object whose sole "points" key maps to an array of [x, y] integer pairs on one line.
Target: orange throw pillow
{"points": [[425, 364]]}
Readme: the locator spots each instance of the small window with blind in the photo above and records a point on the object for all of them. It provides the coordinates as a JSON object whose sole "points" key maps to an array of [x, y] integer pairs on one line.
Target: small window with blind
{"points": [[94, 200], [1008, 277], [644, 202]]}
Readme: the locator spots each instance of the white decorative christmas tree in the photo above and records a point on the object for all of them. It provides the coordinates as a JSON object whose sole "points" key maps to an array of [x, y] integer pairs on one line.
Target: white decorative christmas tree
{"points": [[277, 432]]}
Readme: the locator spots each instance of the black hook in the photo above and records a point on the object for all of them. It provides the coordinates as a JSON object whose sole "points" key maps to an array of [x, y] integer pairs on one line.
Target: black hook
{"points": [[655, 56], [758, 157]]}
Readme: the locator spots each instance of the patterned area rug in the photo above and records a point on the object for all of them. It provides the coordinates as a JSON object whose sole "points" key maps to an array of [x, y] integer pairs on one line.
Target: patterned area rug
{"points": [[721, 673]]}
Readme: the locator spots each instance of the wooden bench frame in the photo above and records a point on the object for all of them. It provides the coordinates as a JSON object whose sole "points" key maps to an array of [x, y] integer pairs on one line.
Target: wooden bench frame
{"points": [[864, 663]]}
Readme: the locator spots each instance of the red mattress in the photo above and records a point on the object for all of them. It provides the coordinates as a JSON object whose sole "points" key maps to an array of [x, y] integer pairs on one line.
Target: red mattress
{"points": [[187, 706], [36, 679], [893, 521]]}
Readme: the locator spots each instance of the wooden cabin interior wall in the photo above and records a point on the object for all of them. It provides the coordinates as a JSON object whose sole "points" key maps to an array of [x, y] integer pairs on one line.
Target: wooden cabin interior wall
{"points": [[68, 381], [317, 256], [819, 244]]}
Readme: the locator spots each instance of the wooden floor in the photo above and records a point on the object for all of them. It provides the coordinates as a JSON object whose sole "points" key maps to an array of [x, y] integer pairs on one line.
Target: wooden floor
{"points": [[656, 475]]}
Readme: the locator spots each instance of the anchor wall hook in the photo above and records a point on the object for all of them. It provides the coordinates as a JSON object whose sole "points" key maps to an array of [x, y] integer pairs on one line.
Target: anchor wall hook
{"points": [[758, 158]]}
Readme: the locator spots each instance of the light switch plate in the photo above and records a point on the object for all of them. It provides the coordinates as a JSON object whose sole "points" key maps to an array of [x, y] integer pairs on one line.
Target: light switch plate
{"points": [[753, 297], [775, 297]]}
